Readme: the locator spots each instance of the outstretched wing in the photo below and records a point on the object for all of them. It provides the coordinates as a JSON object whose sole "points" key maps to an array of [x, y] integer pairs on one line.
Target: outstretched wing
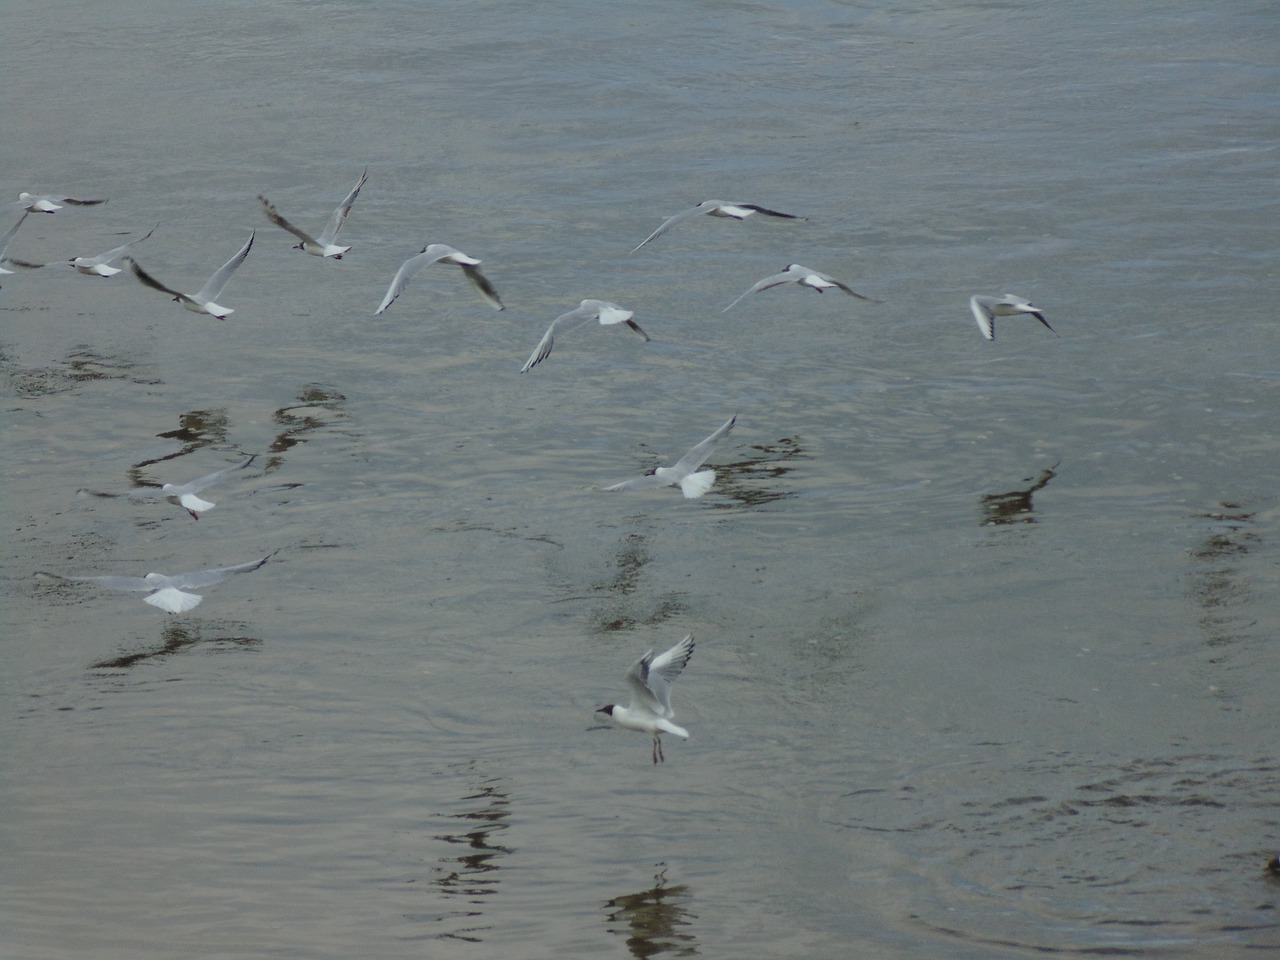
{"points": [[104, 258], [219, 280], [589, 310], [982, 313], [769, 213], [4, 241], [408, 270], [203, 578], [152, 282], [651, 677], [776, 280], [115, 582], [195, 486], [646, 482], [274, 216], [672, 221], [339, 216], [482, 284], [697, 456]]}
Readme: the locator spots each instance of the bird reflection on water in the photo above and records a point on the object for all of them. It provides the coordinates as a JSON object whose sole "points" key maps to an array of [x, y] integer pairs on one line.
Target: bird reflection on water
{"points": [[1014, 506], [654, 921]]}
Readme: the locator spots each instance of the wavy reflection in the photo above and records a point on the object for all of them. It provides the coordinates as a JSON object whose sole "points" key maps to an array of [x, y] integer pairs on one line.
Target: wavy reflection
{"points": [[176, 637], [743, 482], [472, 875], [1014, 506], [317, 407], [82, 365], [1221, 588], [624, 609], [196, 429], [654, 921]]}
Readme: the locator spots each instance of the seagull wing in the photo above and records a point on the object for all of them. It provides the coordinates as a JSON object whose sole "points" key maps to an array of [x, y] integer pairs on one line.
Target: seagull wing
{"points": [[152, 282], [697, 456], [195, 486], [274, 216], [104, 258], [776, 280], [646, 482], [982, 313], [651, 677], [408, 270], [585, 313], [204, 578], [846, 289], [672, 221], [4, 241], [219, 280], [115, 582], [769, 213], [76, 203], [482, 284], [339, 215]]}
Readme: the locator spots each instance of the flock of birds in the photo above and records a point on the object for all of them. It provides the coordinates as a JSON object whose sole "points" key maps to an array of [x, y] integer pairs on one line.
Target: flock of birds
{"points": [[650, 678]]}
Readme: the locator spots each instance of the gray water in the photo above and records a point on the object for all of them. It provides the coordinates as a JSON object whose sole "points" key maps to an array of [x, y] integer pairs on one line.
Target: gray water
{"points": [[986, 658]]}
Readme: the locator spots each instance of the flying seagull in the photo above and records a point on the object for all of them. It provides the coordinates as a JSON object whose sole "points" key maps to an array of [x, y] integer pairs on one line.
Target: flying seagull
{"points": [[202, 301], [692, 484], [185, 493], [323, 245], [604, 311], [431, 254], [48, 203], [169, 593], [715, 208], [650, 680], [100, 266], [986, 309], [795, 273]]}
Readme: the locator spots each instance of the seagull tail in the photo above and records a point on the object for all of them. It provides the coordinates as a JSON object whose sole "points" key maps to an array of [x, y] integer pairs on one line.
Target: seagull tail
{"points": [[696, 484]]}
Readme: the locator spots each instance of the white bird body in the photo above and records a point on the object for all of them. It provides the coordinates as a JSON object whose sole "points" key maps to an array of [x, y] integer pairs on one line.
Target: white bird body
{"points": [[48, 202], [203, 300], [169, 593], [693, 483], [100, 266], [650, 679], [715, 208], [323, 245], [602, 310], [185, 493], [439, 252], [805, 277], [986, 309]]}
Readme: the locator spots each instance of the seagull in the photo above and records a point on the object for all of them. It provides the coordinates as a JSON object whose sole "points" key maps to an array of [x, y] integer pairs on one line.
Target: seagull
{"points": [[201, 302], [48, 203], [795, 273], [4, 245], [650, 679], [986, 309], [430, 254], [323, 245], [715, 208], [692, 485], [169, 593], [604, 311], [100, 266], [186, 492]]}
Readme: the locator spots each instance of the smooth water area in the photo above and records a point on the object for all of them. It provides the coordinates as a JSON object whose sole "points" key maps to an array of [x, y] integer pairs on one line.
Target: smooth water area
{"points": [[986, 632]]}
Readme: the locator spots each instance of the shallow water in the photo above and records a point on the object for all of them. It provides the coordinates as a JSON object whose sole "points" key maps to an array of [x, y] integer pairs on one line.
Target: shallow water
{"points": [[985, 657]]}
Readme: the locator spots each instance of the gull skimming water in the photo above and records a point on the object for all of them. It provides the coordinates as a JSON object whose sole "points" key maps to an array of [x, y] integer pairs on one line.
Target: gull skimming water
{"points": [[604, 311], [185, 493], [431, 254], [715, 208], [986, 309], [650, 680], [201, 301], [805, 277], [692, 484], [169, 593], [323, 245]]}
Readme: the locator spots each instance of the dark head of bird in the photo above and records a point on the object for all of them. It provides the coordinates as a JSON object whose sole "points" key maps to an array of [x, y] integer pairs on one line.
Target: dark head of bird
{"points": [[606, 709]]}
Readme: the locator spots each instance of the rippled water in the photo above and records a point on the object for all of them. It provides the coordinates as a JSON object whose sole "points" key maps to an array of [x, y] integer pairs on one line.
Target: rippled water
{"points": [[986, 652]]}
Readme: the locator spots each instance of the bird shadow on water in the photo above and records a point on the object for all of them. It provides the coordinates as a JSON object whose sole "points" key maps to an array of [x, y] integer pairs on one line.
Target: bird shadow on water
{"points": [[654, 921], [743, 481], [178, 636]]}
